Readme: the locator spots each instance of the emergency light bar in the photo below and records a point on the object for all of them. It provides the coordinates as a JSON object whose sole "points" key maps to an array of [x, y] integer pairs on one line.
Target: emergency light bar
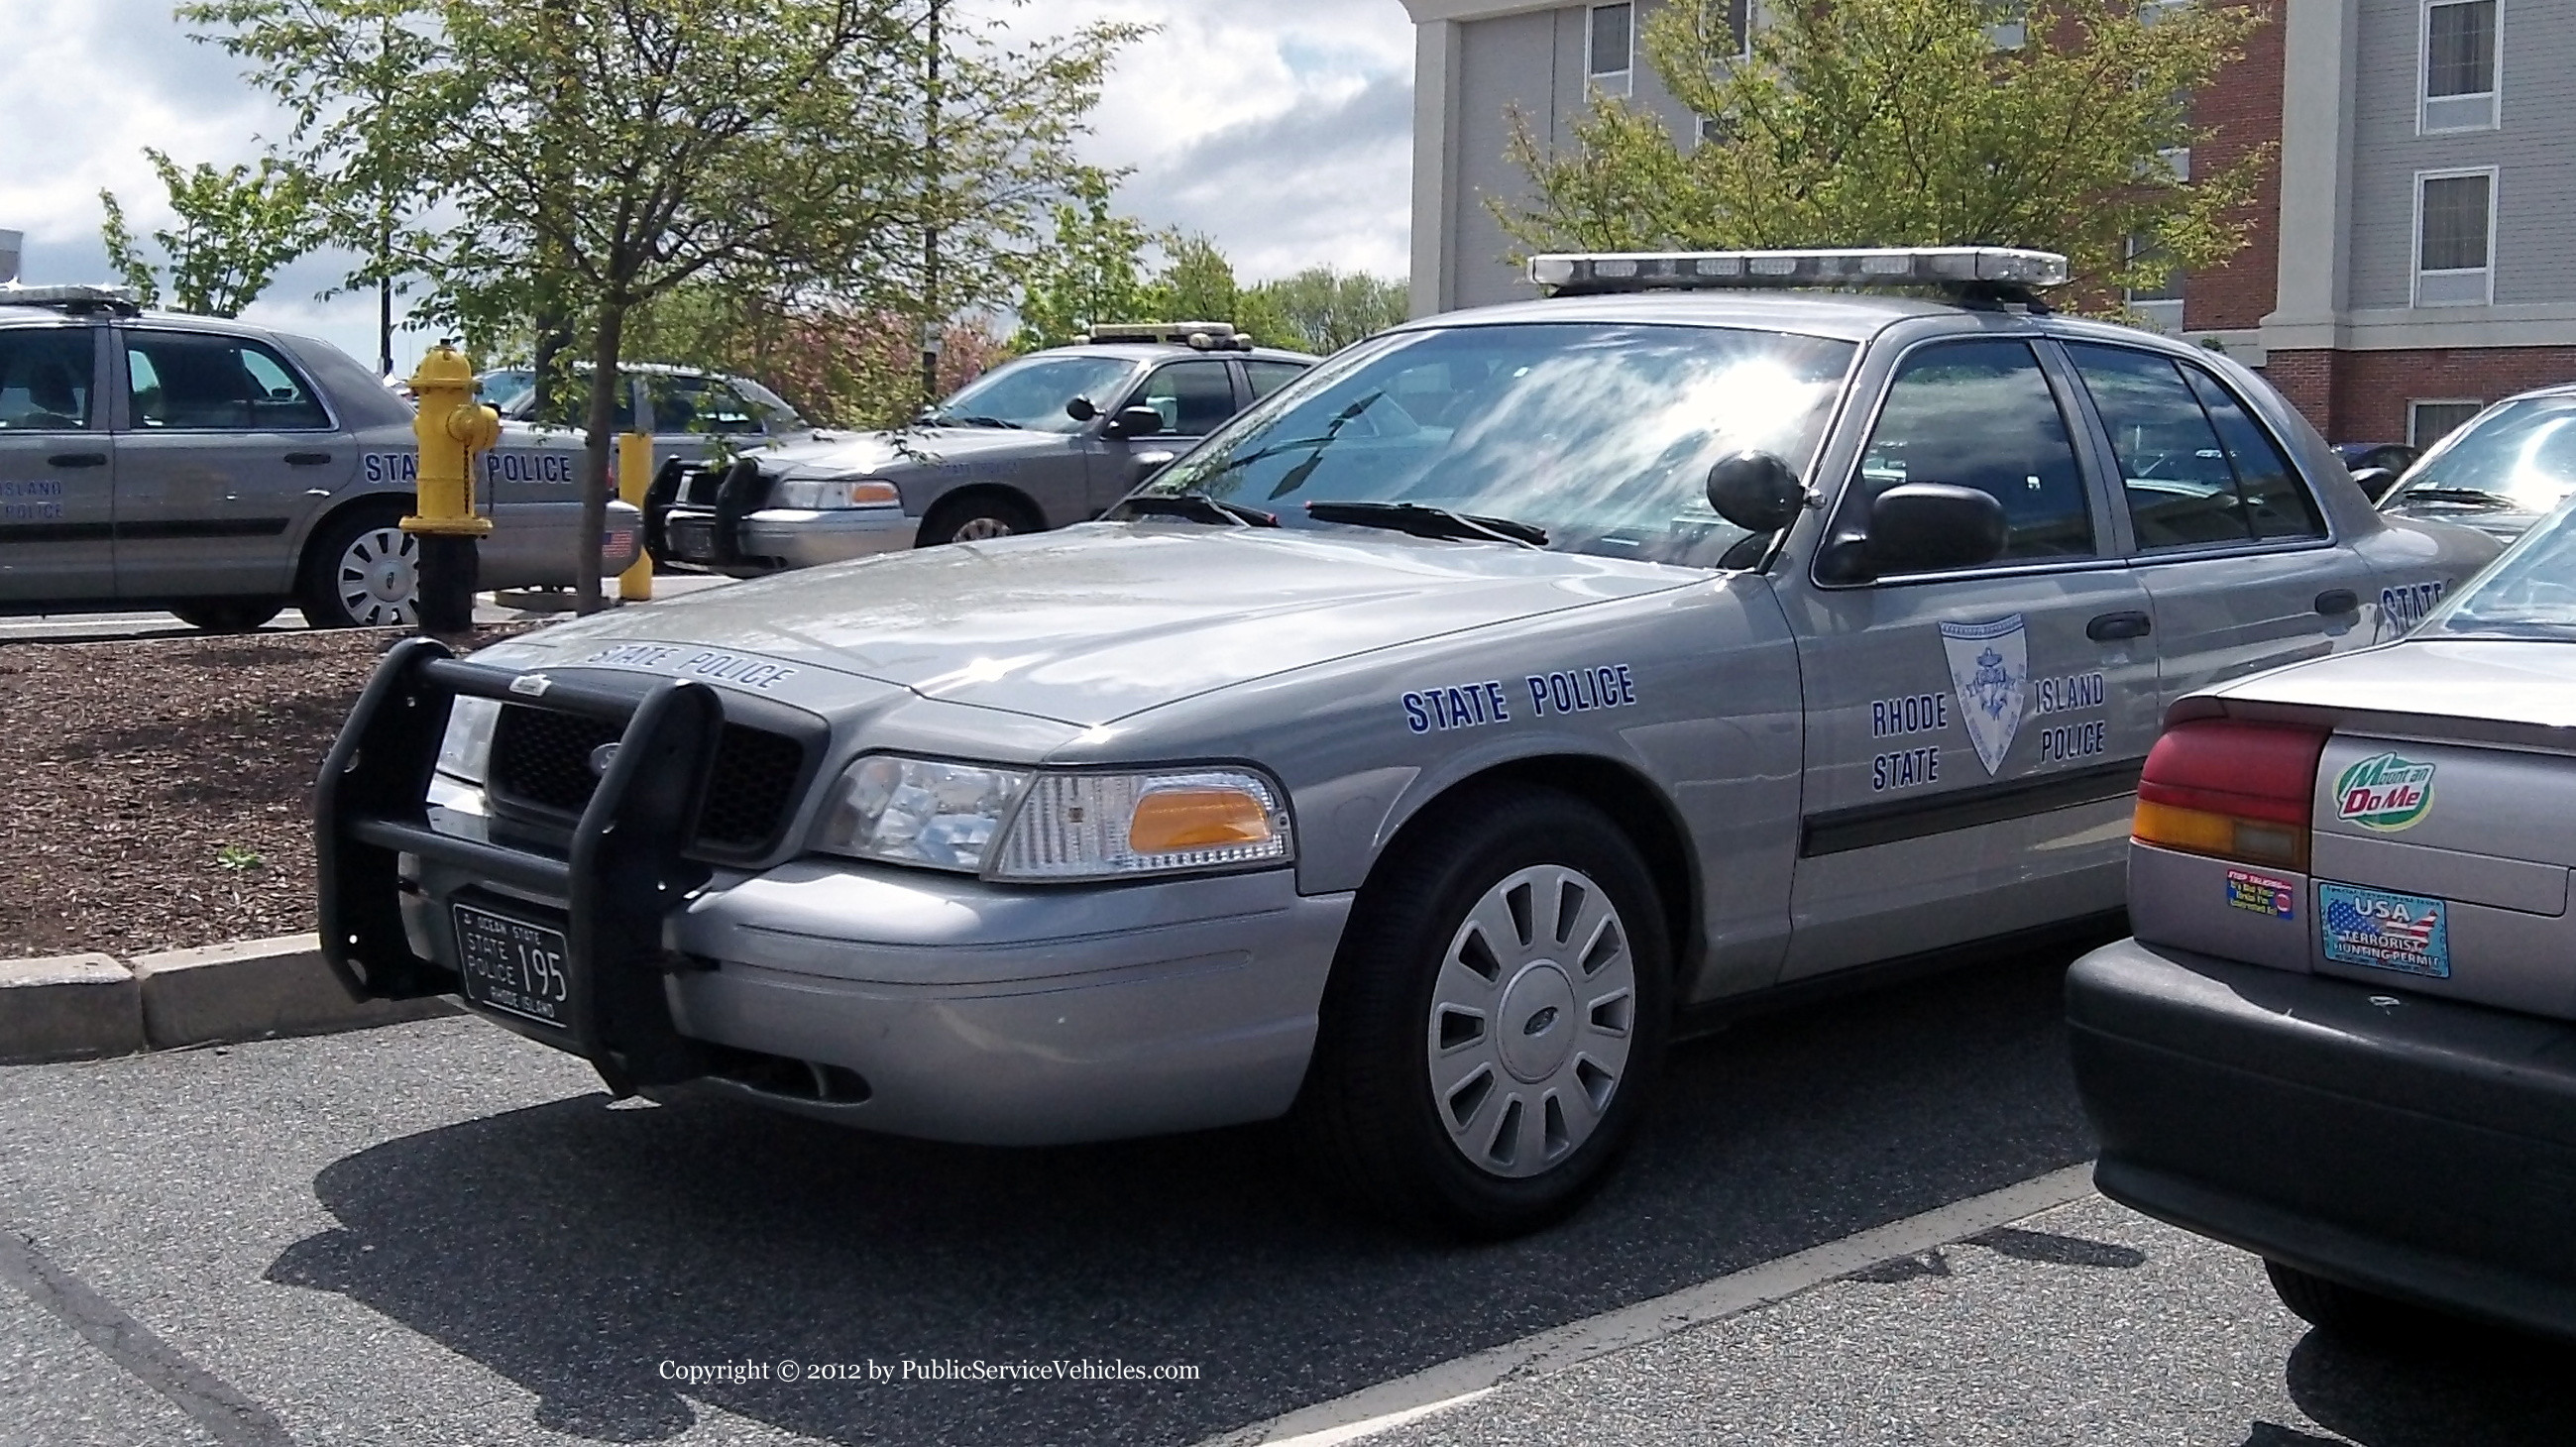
{"points": [[1994, 270], [1205, 336], [74, 298]]}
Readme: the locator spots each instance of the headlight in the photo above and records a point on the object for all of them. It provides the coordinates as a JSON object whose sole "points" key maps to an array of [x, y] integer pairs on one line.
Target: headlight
{"points": [[834, 492], [920, 811], [467, 749], [1094, 826], [1010, 824]]}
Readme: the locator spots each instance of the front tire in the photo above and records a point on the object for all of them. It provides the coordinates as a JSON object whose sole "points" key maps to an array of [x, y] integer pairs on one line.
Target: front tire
{"points": [[976, 518], [1496, 1019], [2346, 1311], [361, 570]]}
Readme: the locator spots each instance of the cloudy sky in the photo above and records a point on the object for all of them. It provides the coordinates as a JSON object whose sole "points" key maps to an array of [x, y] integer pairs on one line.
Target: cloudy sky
{"points": [[1281, 130]]}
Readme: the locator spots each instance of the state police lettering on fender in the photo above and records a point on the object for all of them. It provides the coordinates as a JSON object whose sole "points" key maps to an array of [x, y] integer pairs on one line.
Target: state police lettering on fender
{"points": [[1456, 706], [1582, 690], [404, 467]]}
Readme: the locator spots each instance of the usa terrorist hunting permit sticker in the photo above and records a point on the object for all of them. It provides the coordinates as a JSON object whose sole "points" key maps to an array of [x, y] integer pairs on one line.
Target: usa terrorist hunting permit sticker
{"points": [[2385, 792], [2385, 931]]}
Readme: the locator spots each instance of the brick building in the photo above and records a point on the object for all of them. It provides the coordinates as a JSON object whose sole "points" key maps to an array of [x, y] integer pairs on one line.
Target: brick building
{"points": [[2412, 254]]}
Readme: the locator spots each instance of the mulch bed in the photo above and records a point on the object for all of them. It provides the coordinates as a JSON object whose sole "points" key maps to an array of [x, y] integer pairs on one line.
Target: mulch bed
{"points": [[158, 794]]}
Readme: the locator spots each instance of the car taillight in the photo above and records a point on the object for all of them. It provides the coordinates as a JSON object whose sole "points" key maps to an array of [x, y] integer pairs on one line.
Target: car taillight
{"points": [[2233, 790]]}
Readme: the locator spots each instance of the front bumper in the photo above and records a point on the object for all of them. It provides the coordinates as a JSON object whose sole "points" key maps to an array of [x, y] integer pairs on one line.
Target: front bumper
{"points": [[908, 1001], [2419, 1148], [775, 538]]}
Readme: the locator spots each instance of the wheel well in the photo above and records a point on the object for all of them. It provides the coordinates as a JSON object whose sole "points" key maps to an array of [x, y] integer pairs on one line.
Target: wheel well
{"points": [[1631, 803], [986, 491]]}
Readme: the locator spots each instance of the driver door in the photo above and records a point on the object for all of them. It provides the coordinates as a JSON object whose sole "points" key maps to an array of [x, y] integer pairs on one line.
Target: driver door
{"points": [[1194, 398]]}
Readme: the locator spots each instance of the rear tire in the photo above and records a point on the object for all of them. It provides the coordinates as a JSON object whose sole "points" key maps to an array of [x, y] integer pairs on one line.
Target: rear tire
{"points": [[2347, 1311], [361, 570], [228, 615], [1496, 1019], [977, 518]]}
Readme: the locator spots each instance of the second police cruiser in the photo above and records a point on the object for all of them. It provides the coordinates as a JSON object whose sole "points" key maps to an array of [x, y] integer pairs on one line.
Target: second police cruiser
{"points": [[1417, 756]]}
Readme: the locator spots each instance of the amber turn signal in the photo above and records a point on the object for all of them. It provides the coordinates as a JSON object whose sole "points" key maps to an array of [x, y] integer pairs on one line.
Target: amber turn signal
{"points": [[1170, 819]]}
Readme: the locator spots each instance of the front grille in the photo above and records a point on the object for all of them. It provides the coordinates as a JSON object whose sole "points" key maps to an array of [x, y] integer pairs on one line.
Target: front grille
{"points": [[541, 760]]}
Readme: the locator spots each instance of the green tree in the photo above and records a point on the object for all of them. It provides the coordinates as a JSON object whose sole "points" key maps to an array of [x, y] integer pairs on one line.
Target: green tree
{"points": [[347, 72], [1906, 122], [1325, 310], [237, 226], [1196, 283], [1092, 270]]}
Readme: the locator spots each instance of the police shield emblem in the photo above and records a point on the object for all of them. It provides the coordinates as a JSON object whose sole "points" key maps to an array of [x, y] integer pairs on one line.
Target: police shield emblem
{"points": [[1990, 667]]}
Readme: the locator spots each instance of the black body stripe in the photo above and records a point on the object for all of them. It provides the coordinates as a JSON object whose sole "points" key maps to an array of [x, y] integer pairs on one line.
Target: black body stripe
{"points": [[140, 532], [1844, 830]]}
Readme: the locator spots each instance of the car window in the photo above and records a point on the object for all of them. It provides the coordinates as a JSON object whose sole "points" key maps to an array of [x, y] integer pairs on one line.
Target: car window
{"points": [[699, 404], [509, 391], [2180, 490], [44, 378], [1980, 414], [1195, 398], [185, 381], [2277, 504], [1033, 391], [1269, 377], [2521, 456]]}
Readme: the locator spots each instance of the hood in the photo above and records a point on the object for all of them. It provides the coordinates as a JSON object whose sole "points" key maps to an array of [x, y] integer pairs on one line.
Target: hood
{"points": [[884, 454], [2511, 687], [1098, 622]]}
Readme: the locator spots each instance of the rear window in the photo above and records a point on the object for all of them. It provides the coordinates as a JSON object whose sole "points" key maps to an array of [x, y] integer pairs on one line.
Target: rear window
{"points": [[45, 378]]}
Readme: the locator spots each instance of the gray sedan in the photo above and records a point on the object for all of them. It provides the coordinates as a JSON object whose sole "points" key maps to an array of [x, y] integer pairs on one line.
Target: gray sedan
{"points": [[1417, 757], [2501, 472]]}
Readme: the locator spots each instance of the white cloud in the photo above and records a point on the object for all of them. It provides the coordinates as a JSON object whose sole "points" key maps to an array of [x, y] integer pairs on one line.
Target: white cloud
{"points": [[1281, 131]]}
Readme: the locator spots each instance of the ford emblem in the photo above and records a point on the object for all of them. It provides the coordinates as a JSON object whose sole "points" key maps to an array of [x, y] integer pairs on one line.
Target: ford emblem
{"points": [[600, 759]]}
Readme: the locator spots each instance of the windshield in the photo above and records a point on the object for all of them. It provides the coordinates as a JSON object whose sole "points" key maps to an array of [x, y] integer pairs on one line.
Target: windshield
{"points": [[2521, 456], [2530, 592], [1032, 392], [508, 392], [1597, 435]]}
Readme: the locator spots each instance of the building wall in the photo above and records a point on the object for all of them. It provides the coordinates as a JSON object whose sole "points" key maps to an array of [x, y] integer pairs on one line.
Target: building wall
{"points": [[2243, 108], [2357, 396]]}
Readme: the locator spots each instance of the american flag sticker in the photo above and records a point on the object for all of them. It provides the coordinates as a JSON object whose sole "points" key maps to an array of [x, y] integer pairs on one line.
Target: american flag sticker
{"points": [[2385, 931]]}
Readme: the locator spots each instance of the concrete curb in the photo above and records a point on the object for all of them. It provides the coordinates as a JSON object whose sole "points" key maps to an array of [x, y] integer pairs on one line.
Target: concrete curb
{"points": [[83, 1007]]}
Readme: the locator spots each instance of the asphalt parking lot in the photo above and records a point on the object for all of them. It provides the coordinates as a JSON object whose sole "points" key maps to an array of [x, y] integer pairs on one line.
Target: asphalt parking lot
{"points": [[441, 1233]]}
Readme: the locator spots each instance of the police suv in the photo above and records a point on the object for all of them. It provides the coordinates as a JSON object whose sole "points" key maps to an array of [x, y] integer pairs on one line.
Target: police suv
{"points": [[1040, 441], [1416, 756], [223, 471]]}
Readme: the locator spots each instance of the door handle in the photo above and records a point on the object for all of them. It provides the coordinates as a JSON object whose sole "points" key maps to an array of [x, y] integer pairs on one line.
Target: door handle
{"points": [[2111, 627], [77, 459], [307, 459], [2338, 600]]}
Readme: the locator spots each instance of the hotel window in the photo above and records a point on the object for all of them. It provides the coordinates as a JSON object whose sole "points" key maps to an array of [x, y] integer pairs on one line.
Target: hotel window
{"points": [[2428, 422], [1610, 44], [1739, 19], [2455, 238], [2461, 66]]}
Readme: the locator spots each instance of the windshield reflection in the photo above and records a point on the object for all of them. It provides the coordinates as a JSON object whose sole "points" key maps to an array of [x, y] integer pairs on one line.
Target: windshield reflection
{"points": [[1031, 393], [1600, 434], [2520, 457]]}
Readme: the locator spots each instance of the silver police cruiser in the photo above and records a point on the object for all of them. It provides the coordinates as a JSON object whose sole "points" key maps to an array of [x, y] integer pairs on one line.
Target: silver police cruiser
{"points": [[1045, 440], [1416, 756], [222, 471]]}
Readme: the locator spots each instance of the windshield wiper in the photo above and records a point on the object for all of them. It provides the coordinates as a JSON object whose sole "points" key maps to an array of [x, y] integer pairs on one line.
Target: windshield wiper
{"points": [[951, 419], [1424, 521], [1197, 506], [2476, 496]]}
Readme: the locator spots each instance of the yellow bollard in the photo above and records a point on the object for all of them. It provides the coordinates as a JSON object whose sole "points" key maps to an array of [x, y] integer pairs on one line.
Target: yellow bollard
{"points": [[634, 475]]}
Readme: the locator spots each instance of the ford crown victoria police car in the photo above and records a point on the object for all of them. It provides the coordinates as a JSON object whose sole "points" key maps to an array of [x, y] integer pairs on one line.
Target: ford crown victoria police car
{"points": [[2344, 1036], [1038, 442], [222, 471], [1412, 755]]}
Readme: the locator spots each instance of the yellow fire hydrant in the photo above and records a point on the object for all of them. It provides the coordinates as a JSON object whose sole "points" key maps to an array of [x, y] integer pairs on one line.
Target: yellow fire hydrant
{"points": [[453, 430]]}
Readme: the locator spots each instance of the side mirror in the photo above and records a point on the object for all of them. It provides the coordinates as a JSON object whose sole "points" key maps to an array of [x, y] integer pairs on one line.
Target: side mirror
{"points": [[1919, 527], [1756, 491], [1080, 409], [2374, 481], [1136, 422]]}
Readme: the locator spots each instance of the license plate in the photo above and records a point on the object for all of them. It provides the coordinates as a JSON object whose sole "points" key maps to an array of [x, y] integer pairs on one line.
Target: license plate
{"points": [[2385, 930], [513, 966], [691, 539]]}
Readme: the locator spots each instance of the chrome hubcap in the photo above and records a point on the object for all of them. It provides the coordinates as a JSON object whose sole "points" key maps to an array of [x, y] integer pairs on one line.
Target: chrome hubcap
{"points": [[1531, 1021], [379, 573], [982, 529]]}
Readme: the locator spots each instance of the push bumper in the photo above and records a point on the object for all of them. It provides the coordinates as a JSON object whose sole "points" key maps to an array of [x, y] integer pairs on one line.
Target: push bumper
{"points": [[2419, 1148], [775, 538], [901, 1000]]}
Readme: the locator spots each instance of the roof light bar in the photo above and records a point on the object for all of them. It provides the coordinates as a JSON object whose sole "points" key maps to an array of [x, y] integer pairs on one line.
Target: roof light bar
{"points": [[1205, 336], [2001, 269], [73, 298]]}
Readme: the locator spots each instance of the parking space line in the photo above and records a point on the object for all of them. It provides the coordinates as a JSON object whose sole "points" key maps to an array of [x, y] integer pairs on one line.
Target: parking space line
{"points": [[1454, 1383], [234, 1419]]}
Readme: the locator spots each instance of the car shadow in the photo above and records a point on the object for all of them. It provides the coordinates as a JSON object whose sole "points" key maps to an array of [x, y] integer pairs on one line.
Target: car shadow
{"points": [[2462, 1383], [575, 1247]]}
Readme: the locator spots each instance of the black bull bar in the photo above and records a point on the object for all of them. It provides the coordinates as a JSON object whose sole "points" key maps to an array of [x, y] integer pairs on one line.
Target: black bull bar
{"points": [[623, 872]]}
